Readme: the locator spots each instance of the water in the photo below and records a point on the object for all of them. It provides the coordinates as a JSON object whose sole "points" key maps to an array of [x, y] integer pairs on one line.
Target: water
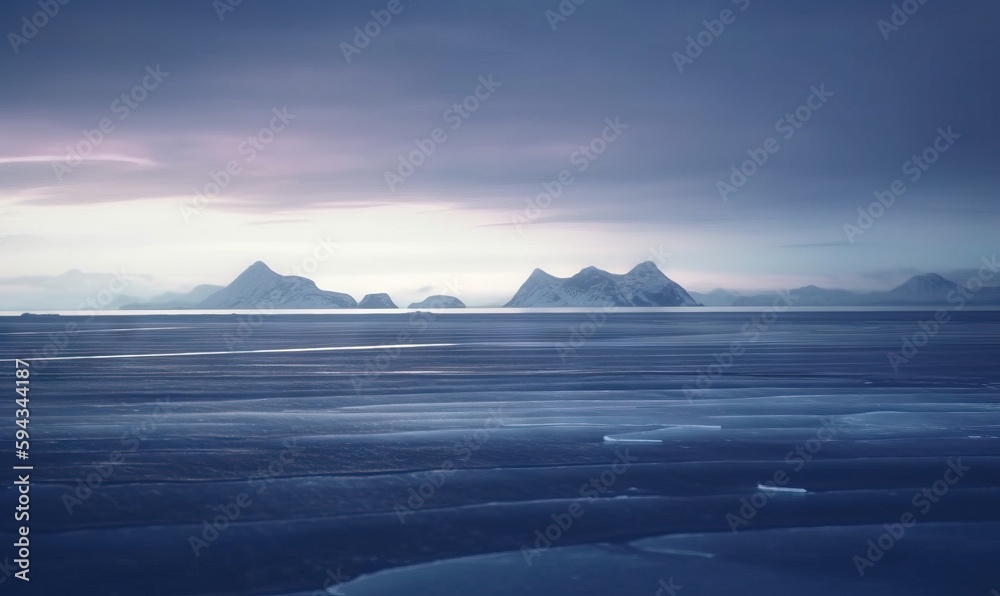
{"points": [[510, 453]]}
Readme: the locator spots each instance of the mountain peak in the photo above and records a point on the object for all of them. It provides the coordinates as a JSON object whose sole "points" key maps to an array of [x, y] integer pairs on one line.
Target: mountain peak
{"points": [[646, 269], [646, 265], [926, 285], [260, 287], [933, 278], [539, 274], [260, 266], [589, 275]]}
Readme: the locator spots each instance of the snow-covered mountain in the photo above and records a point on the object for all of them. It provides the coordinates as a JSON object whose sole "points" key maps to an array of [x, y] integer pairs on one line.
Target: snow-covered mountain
{"points": [[929, 287], [645, 285], [377, 301], [175, 300], [260, 287], [439, 301]]}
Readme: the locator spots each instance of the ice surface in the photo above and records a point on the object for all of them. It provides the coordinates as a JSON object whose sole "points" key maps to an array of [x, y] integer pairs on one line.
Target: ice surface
{"points": [[810, 561], [781, 489], [521, 428], [665, 434]]}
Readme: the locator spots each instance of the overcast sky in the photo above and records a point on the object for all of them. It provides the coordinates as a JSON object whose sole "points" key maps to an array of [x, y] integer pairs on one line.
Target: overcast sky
{"points": [[313, 131]]}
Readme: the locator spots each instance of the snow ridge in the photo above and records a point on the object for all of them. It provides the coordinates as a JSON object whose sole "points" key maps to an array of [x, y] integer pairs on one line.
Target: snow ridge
{"points": [[644, 285], [260, 287]]}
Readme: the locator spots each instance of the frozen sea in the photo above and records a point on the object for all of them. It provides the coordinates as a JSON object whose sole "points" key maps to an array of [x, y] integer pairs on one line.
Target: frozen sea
{"points": [[651, 453]]}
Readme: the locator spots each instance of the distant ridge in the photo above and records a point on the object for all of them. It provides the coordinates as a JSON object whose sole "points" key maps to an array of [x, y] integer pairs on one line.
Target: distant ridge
{"points": [[175, 300], [645, 285], [929, 289]]}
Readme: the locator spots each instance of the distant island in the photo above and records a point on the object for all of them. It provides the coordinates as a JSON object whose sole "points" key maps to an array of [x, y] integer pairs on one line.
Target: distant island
{"points": [[377, 301], [439, 301], [643, 286], [260, 287]]}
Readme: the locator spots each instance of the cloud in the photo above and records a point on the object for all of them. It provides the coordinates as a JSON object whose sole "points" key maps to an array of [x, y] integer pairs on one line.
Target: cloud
{"points": [[833, 244], [354, 120], [62, 158]]}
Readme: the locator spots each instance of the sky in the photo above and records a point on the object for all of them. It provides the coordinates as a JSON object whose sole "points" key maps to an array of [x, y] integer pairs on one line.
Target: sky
{"points": [[455, 146]]}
